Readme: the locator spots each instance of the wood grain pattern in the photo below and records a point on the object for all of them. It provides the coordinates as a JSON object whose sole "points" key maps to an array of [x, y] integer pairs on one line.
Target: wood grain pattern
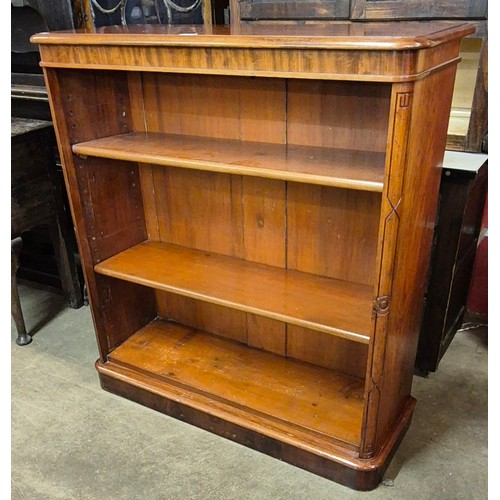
{"points": [[251, 51], [231, 215], [338, 115], [374, 37], [356, 65], [218, 320], [249, 217], [224, 107], [100, 235], [290, 296], [401, 110], [340, 228], [255, 331], [336, 462], [327, 403], [267, 334], [32, 198], [418, 9], [362, 170], [190, 205], [425, 151], [114, 228], [326, 350], [125, 307], [278, 10]]}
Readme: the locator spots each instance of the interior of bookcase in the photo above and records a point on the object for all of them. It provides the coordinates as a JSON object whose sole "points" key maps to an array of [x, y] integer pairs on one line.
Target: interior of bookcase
{"points": [[243, 218]]}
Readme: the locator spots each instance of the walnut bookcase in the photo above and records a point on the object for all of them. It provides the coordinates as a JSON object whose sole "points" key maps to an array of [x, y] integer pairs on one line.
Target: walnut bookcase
{"points": [[254, 213]]}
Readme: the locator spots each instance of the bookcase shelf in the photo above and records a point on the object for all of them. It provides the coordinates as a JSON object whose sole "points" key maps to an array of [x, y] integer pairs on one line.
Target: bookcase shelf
{"points": [[322, 304], [255, 214], [328, 405], [363, 170]]}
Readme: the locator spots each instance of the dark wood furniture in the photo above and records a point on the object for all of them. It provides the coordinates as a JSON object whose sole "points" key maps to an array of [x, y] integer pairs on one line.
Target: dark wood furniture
{"points": [[34, 204], [255, 211], [356, 10], [461, 200], [38, 262], [418, 9], [477, 299]]}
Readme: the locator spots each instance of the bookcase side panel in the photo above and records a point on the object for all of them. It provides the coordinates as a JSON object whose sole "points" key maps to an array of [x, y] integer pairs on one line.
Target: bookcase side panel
{"points": [[105, 197], [394, 353]]}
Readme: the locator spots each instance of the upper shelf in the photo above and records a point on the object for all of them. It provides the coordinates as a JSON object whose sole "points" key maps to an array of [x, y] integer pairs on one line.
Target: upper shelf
{"points": [[361, 170]]}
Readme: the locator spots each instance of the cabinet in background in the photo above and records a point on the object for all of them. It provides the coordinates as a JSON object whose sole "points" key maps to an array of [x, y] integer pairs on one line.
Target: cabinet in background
{"points": [[462, 196], [418, 9]]}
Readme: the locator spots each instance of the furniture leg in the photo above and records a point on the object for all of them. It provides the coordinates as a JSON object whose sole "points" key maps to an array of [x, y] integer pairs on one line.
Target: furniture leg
{"points": [[23, 338]]}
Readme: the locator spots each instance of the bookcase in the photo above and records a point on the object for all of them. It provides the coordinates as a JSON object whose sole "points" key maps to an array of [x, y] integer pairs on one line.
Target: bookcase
{"points": [[254, 210]]}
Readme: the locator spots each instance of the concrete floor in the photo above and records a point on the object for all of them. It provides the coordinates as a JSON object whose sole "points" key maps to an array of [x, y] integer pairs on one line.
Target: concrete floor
{"points": [[72, 440]]}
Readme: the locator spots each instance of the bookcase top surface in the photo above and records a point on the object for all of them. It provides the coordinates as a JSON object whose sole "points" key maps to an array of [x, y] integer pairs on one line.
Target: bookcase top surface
{"points": [[334, 36]]}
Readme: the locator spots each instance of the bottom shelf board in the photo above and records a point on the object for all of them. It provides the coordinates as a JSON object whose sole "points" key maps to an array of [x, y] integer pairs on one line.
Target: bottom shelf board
{"points": [[264, 392]]}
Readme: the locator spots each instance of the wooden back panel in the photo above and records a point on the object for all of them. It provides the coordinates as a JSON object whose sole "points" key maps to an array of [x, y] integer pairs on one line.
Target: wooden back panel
{"points": [[268, 221], [250, 109], [263, 220], [231, 215], [267, 334], [241, 216], [302, 112], [340, 227], [338, 114]]}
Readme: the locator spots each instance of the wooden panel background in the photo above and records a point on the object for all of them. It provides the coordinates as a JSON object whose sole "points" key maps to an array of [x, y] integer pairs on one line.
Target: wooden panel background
{"points": [[252, 10], [262, 220], [227, 214], [250, 109], [340, 227], [338, 114], [418, 9]]}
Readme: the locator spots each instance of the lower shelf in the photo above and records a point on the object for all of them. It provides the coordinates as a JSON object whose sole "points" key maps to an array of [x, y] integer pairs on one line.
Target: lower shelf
{"points": [[277, 392], [305, 415]]}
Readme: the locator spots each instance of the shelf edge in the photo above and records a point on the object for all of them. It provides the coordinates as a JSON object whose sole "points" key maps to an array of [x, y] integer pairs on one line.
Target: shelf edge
{"points": [[203, 165], [355, 337]]}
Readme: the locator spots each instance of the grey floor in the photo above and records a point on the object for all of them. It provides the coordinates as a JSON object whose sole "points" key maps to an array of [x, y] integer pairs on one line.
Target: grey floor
{"points": [[72, 440]]}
